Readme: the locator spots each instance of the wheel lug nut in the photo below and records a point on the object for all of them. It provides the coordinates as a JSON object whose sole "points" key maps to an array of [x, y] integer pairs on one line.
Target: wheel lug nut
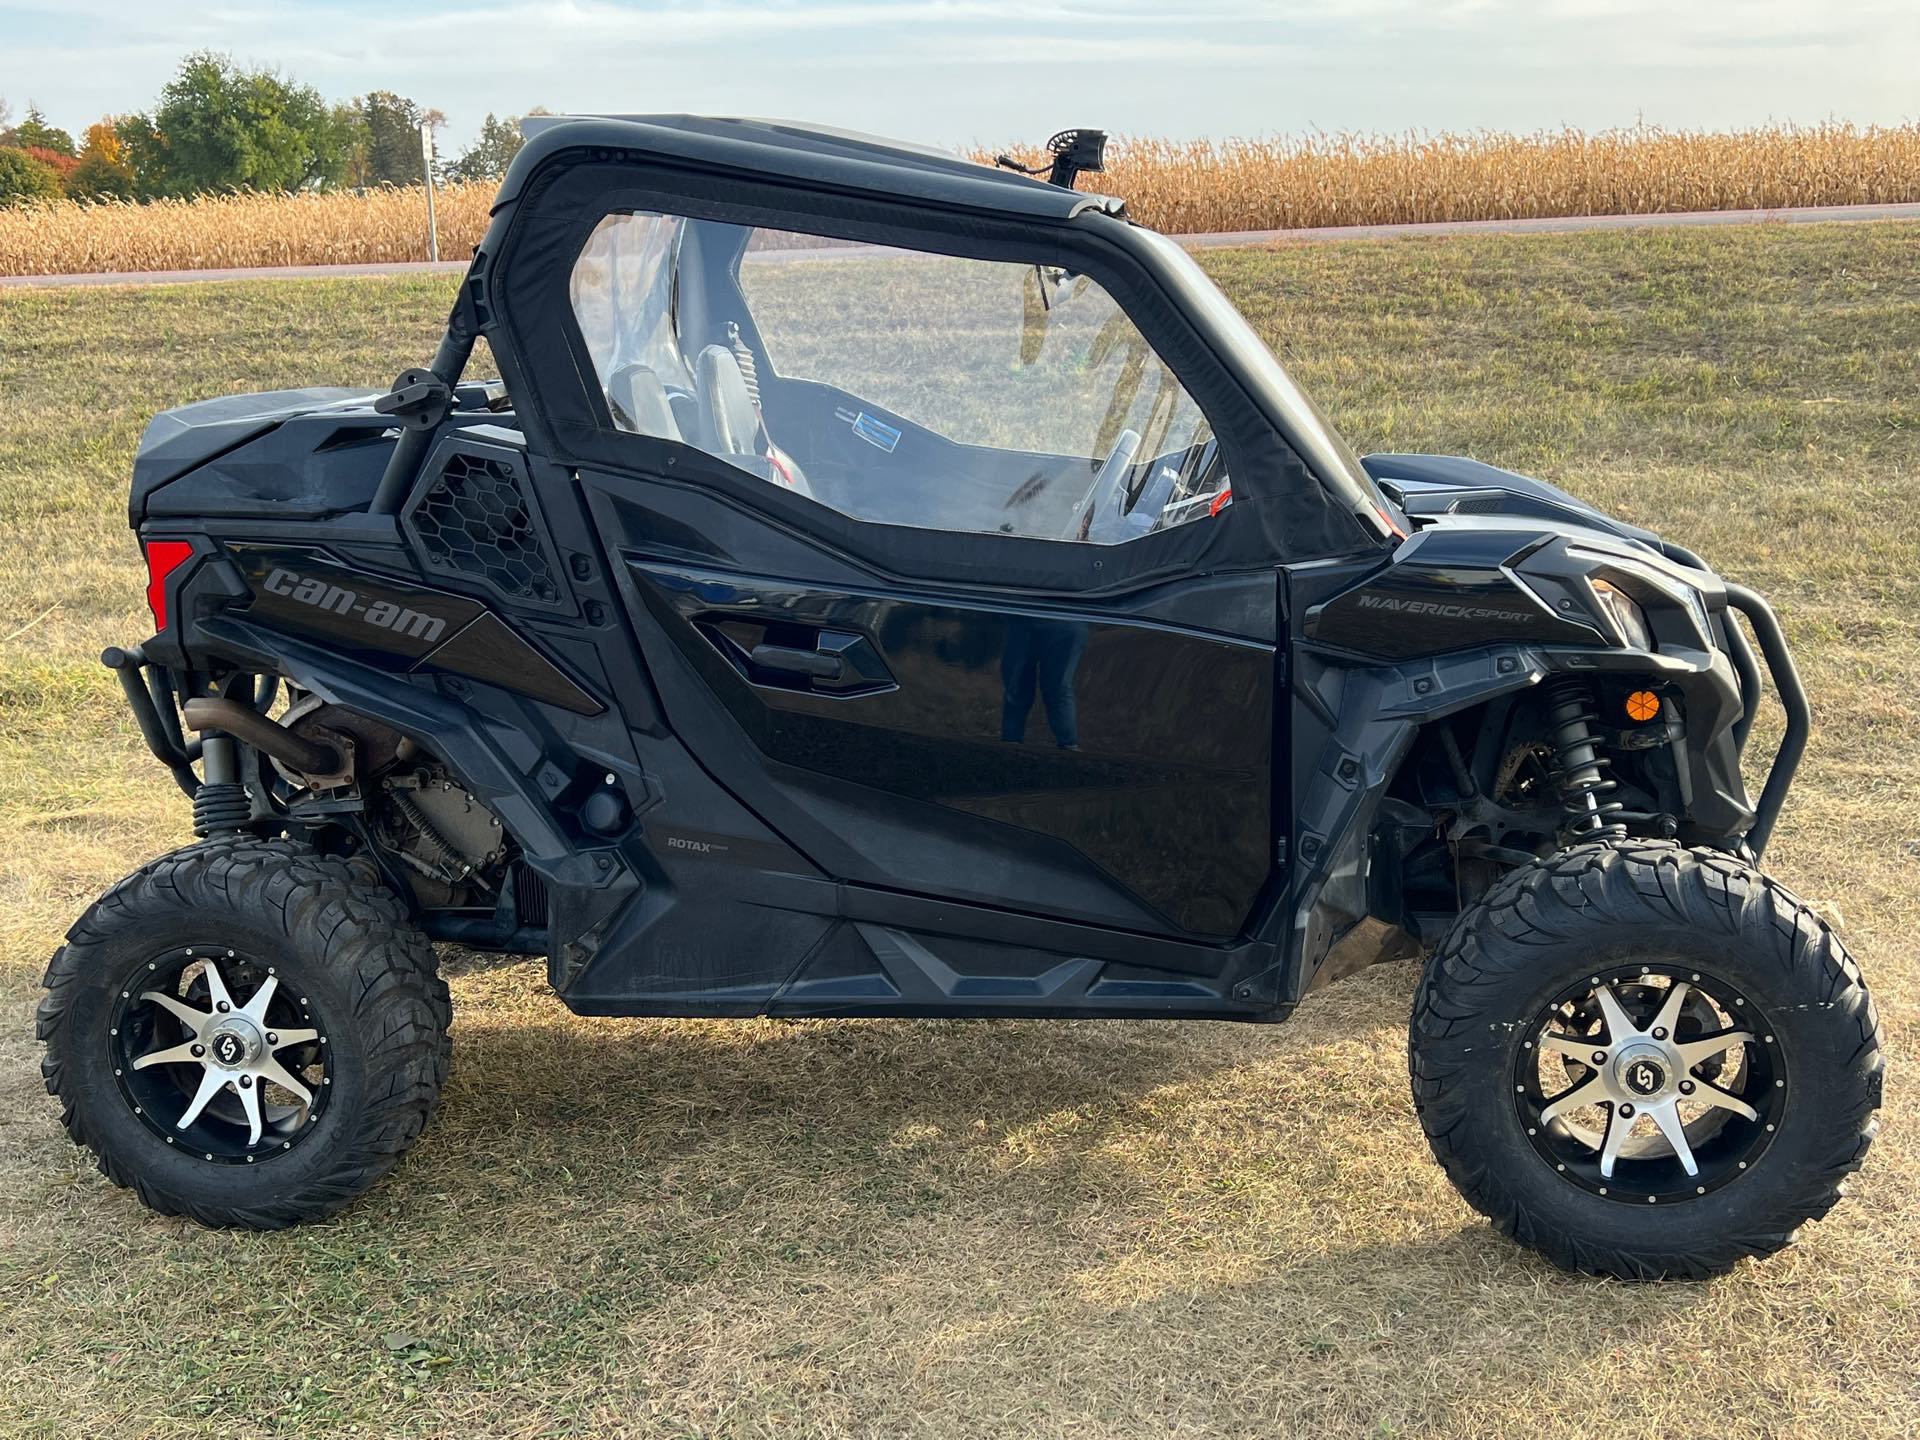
{"points": [[272, 1039], [198, 1051], [246, 1082], [1659, 1032], [223, 1007], [1686, 1087], [1626, 1112], [1599, 1057]]}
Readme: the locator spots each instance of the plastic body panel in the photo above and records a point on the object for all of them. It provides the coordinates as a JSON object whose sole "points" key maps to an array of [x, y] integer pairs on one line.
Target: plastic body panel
{"points": [[789, 888], [1133, 755]]}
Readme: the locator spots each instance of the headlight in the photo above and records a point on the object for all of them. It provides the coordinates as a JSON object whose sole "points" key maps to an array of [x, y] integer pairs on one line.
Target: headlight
{"points": [[1629, 620]]}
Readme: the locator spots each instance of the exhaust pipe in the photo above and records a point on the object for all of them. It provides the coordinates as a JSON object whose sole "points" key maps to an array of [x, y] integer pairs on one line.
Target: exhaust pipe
{"points": [[270, 737]]}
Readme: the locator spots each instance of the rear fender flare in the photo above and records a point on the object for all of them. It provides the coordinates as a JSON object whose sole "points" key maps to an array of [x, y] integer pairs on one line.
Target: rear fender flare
{"points": [[588, 883]]}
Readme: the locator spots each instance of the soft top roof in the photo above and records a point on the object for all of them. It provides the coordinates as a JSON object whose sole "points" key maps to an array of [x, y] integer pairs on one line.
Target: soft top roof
{"points": [[814, 154]]}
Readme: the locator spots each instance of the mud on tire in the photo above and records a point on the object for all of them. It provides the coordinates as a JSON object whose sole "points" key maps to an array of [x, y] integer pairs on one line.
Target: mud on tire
{"points": [[1540, 934], [338, 941]]}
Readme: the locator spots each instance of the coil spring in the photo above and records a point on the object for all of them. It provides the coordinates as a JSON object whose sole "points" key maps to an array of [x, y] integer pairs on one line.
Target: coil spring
{"points": [[1585, 786], [221, 806]]}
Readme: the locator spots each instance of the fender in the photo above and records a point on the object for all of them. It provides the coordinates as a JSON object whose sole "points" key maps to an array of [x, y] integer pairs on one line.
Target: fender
{"points": [[1353, 726], [1459, 617], [588, 883]]}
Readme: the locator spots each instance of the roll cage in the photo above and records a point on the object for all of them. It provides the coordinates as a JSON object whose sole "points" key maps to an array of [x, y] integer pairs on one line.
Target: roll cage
{"points": [[1299, 492]]}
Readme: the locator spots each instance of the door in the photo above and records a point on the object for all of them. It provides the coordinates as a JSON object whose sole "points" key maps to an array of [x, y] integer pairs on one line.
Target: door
{"points": [[907, 541]]}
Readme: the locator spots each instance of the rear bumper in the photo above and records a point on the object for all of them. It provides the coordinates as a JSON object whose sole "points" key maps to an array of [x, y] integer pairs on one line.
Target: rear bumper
{"points": [[150, 695]]}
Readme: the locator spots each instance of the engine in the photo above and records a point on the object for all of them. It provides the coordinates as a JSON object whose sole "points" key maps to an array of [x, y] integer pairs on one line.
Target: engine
{"points": [[449, 848]]}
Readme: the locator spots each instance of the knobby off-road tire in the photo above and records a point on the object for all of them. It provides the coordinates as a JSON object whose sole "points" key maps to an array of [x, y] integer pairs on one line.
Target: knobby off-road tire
{"points": [[1544, 932], [341, 948]]}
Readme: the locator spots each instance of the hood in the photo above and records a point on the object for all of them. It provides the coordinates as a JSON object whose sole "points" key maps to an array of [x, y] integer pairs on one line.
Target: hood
{"points": [[1434, 485]]}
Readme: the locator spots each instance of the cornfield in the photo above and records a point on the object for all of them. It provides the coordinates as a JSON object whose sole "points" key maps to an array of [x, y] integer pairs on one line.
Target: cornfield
{"points": [[246, 229], [1273, 184], [1315, 180]]}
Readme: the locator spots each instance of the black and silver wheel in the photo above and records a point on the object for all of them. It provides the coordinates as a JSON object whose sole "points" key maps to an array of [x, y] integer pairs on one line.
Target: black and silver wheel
{"points": [[1650, 1083], [245, 1032], [1645, 1061]]}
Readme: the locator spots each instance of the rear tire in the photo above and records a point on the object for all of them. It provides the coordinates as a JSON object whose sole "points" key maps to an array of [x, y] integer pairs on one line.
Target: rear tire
{"points": [[1637, 916], [347, 967]]}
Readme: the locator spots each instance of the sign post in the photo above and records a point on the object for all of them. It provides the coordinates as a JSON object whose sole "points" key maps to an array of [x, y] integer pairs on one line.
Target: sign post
{"points": [[426, 156]]}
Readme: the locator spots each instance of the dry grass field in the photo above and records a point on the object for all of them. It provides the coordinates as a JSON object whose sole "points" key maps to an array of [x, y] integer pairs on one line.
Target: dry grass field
{"points": [[1277, 184], [998, 1229]]}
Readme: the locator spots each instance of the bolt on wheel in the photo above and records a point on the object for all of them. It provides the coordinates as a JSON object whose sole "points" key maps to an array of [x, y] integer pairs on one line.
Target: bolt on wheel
{"points": [[216, 1056], [1650, 1083]]}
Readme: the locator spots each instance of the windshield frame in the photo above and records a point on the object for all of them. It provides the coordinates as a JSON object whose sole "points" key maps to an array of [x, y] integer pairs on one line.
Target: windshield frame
{"points": [[1305, 426]]}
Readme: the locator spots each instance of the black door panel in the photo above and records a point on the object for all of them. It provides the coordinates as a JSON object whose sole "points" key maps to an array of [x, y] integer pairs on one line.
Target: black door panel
{"points": [[1078, 762]]}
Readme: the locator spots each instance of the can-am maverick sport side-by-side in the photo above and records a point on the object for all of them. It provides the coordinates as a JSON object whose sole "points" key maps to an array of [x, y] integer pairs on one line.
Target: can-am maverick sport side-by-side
{"points": [[885, 585]]}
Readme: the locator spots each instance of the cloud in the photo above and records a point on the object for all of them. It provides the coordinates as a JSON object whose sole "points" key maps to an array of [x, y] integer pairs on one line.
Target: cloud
{"points": [[954, 71]]}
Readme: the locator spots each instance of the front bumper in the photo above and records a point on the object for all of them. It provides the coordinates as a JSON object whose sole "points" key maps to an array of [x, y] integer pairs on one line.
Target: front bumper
{"points": [[1786, 684], [1793, 699]]}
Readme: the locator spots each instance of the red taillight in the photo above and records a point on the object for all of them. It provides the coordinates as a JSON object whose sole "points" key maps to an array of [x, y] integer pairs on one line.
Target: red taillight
{"points": [[163, 558]]}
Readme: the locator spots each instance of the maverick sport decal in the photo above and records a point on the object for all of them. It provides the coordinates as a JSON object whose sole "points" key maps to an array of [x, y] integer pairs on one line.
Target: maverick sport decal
{"points": [[396, 624], [1441, 608]]}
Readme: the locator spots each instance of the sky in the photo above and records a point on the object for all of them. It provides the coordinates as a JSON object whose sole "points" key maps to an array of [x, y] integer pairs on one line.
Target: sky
{"points": [[964, 72]]}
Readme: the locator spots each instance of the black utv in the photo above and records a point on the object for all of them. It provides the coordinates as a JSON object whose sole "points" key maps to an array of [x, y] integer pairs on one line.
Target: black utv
{"points": [[885, 585]]}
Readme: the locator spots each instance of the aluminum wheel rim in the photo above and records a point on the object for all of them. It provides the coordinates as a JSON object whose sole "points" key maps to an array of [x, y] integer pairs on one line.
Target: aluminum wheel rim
{"points": [[219, 1056], [1650, 1084]]}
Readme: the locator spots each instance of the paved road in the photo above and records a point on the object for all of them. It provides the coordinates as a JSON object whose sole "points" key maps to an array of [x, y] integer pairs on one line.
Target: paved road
{"points": [[1553, 225]]}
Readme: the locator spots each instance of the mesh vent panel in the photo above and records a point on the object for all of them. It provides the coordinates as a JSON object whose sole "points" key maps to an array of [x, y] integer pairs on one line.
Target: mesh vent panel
{"points": [[475, 520]]}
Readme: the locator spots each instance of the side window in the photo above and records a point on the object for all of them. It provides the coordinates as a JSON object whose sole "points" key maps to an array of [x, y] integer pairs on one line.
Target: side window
{"points": [[901, 386]]}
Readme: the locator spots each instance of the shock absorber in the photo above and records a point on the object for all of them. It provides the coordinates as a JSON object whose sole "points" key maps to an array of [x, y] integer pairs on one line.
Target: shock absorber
{"points": [[1585, 786], [221, 804]]}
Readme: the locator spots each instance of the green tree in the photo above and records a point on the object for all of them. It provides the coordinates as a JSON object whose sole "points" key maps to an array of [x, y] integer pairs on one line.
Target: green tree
{"points": [[25, 180], [219, 127], [388, 149], [493, 150], [34, 133]]}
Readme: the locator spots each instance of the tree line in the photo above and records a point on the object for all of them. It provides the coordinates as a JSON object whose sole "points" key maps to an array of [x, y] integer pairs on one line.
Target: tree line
{"points": [[218, 126]]}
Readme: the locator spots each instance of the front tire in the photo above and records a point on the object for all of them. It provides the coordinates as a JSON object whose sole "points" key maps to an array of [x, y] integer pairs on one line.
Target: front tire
{"points": [[1645, 1061], [245, 1032]]}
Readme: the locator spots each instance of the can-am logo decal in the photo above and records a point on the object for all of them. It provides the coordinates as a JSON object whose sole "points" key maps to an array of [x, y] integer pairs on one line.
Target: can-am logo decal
{"points": [[1440, 608], [339, 600]]}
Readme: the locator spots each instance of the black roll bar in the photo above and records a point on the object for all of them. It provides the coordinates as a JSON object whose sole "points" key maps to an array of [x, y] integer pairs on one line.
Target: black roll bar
{"points": [[420, 400]]}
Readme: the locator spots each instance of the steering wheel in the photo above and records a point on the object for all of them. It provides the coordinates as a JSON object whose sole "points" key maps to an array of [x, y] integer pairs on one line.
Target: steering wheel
{"points": [[1105, 488]]}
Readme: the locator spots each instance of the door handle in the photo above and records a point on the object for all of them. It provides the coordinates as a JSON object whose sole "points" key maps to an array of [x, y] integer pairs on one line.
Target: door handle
{"points": [[818, 664]]}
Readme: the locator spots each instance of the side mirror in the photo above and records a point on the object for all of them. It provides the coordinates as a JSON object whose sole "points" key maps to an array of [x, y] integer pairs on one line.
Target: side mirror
{"points": [[1057, 286]]}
